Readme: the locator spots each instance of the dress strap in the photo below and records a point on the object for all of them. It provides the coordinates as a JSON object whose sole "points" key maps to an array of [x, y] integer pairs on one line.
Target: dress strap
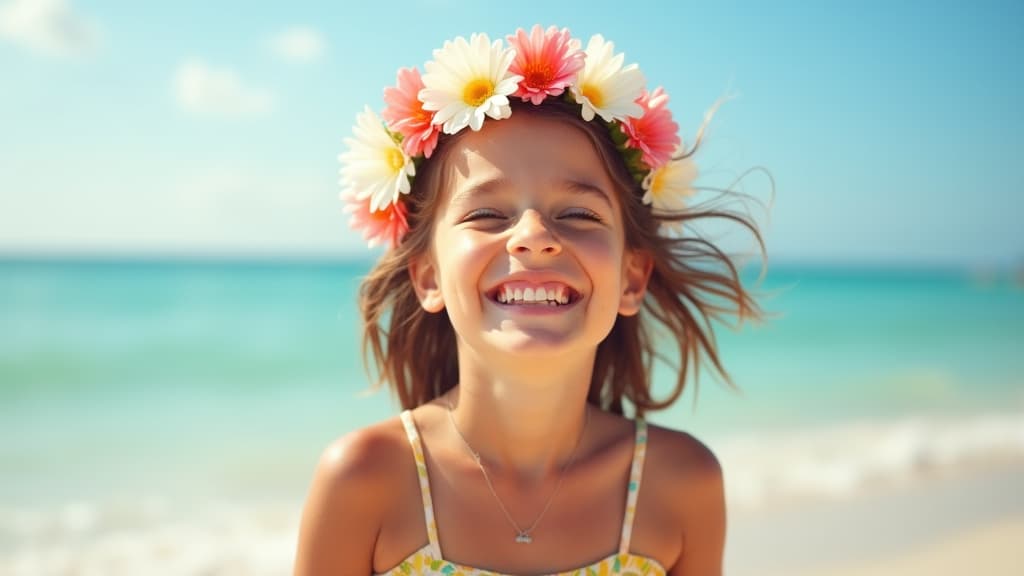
{"points": [[421, 471], [635, 474]]}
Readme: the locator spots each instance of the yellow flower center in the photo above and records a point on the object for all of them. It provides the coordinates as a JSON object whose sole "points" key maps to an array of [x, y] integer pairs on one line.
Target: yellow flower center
{"points": [[395, 159], [658, 182], [593, 93], [477, 91]]}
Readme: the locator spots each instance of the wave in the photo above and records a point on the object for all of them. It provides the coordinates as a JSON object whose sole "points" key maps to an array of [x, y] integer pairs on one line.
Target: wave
{"points": [[149, 537], [844, 460]]}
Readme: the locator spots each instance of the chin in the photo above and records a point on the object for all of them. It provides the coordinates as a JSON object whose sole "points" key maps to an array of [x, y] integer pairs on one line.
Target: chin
{"points": [[538, 344]]}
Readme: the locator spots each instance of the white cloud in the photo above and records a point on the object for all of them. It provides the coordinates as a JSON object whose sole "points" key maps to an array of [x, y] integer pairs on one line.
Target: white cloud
{"points": [[202, 88], [299, 44], [48, 26]]}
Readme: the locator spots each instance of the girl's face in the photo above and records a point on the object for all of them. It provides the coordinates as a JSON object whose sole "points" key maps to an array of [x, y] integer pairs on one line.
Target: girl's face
{"points": [[528, 250]]}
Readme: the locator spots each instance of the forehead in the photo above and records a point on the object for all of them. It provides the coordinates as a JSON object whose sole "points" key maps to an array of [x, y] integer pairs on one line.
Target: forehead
{"points": [[527, 147]]}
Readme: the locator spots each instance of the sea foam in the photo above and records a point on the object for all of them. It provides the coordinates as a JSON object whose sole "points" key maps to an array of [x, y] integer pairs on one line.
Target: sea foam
{"points": [[844, 460]]}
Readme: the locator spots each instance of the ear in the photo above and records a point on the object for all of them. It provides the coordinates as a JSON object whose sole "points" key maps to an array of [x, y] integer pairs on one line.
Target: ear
{"points": [[636, 272], [423, 274]]}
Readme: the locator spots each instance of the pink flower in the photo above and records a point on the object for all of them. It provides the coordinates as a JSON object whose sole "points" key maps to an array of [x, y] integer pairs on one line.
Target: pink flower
{"points": [[654, 133], [405, 114], [547, 61], [388, 224]]}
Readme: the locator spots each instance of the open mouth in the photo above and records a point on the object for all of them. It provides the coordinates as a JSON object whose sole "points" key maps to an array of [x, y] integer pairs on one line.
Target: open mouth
{"points": [[523, 294]]}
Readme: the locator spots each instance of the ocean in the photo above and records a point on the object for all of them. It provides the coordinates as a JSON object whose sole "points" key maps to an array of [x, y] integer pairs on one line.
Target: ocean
{"points": [[164, 417]]}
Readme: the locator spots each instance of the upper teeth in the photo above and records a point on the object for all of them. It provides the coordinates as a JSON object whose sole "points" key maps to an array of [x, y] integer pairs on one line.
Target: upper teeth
{"points": [[553, 296]]}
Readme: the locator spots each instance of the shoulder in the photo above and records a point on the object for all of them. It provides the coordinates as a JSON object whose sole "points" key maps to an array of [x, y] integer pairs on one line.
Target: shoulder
{"points": [[681, 456], [361, 463], [365, 455], [684, 475], [349, 496]]}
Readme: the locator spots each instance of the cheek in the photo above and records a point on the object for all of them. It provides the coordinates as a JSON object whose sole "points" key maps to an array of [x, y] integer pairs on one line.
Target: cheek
{"points": [[466, 251], [603, 258], [601, 248], [462, 257]]}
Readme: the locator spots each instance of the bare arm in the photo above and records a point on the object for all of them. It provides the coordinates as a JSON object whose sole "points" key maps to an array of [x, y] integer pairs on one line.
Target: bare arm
{"points": [[343, 510]]}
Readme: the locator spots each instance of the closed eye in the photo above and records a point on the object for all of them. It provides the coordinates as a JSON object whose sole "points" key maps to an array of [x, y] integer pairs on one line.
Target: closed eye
{"points": [[482, 214], [582, 213]]}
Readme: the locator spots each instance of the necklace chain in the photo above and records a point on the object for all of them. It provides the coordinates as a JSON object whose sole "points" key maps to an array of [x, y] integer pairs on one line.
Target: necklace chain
{"points": [[522, 536]]}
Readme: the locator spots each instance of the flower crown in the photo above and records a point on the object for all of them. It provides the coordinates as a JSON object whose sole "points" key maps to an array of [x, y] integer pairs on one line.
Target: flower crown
{"points": [[468, 81]]}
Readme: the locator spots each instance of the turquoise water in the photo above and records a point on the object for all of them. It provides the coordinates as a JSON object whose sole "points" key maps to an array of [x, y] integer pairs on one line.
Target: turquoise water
{"points": [[224, 380]]}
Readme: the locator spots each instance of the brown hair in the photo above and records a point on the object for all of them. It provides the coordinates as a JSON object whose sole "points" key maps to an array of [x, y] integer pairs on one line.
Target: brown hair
{"points": [[692, 284]]}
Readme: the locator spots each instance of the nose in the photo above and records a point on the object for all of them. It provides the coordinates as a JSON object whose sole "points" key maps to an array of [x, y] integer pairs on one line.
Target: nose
{"points": [[531, 234]]}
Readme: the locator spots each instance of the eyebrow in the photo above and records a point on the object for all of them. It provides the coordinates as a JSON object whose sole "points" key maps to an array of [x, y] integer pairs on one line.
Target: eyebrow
{"points": [[490, 186], [582, 187], [484, 187]]}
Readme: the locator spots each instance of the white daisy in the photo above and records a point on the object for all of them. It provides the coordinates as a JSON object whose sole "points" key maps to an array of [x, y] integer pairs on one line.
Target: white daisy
{"points": [[604, 87], [667, 188], [468, 80], [375, 165]]}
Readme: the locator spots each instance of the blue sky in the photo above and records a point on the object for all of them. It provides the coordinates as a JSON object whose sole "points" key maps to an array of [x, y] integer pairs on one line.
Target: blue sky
{"points": [[892, 129]]}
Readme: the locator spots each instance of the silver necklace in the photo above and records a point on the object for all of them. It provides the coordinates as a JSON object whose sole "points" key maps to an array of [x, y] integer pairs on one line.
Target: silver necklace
{"points": [[522, 536]]}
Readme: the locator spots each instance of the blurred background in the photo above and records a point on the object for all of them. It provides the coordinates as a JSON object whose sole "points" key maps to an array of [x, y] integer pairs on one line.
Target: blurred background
{"points": [[178, 325]]}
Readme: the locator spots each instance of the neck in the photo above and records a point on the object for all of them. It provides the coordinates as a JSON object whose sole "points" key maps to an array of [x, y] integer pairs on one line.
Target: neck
{"points": [[523, 422]]}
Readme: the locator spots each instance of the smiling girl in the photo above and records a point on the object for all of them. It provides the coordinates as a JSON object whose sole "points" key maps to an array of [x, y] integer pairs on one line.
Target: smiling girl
{"points": [[533, 197]]}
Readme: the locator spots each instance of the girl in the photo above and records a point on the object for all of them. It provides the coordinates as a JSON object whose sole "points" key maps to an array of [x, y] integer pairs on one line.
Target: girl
{"points": [[533, 199]]}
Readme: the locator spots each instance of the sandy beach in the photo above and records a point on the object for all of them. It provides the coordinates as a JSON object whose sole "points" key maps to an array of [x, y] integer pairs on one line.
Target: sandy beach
{"points": [[992, 550], [963, 522]]}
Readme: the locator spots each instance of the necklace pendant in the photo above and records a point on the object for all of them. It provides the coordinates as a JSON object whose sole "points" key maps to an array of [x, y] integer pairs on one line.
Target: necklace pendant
{"points": [[523, 538]]}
